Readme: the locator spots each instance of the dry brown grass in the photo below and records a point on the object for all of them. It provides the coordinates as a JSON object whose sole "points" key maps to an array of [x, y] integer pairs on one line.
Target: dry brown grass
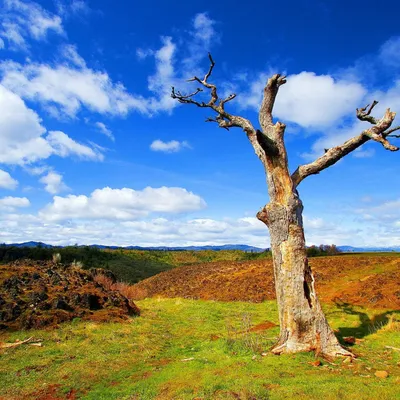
{"points": [[366, 280], [129, 291], [104, 281]]}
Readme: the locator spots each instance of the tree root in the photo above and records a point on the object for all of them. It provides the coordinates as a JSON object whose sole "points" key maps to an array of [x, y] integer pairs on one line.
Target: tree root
{"points": [[329, 354]]}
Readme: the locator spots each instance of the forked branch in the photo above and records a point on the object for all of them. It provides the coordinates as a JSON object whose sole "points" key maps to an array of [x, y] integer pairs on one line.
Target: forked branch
{"points": [[379, 133], [223, 118], [270, 92]]}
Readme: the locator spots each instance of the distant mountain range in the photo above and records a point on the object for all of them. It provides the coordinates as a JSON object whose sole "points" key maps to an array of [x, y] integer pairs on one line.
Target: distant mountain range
{"points": [[243, 247], [351, 249]]}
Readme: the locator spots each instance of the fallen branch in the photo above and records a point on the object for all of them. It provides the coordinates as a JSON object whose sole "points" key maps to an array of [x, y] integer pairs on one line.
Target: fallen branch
{"points": [[392, 348], [19, 342]]}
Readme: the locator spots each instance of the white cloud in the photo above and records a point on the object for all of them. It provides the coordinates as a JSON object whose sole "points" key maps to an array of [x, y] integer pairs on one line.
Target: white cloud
{"points": [[184, 232], [70, 53], [204, 28], [173, 71], [79, 7], [309, 100], [20, 131], [122, 204], [161, 82], [69, 87], [104, 130], [144, 53], [53, 182], [36, 170], [6, 181], [387, 211], [153, 232], [24, 138], [312, 100], [390, 52], [23, 19], [67, 8], [172, 146], [319, 231], [10, 203], [338, 134], [64, 146]]}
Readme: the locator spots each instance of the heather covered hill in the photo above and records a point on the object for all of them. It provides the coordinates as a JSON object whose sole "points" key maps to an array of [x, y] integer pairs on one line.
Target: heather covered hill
{"points": [[371, 280]]}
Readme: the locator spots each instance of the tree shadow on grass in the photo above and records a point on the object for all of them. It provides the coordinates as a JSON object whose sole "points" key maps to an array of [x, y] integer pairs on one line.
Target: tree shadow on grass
{"points": [[367, 325]]}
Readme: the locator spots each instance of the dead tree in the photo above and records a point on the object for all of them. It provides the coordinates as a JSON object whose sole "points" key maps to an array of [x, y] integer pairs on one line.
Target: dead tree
{"points": [[303, 325]]}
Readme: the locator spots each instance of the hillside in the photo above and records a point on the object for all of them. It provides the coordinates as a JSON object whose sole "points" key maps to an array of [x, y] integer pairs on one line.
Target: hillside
{"points": [[372, 280], [128, 265]]}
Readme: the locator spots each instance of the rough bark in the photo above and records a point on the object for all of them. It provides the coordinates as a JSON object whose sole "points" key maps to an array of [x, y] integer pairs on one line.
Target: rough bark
{"points": [[303, 326]]}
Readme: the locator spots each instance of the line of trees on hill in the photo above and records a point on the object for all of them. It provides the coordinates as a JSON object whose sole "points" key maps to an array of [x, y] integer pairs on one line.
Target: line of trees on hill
{"points": [[323, 250]]}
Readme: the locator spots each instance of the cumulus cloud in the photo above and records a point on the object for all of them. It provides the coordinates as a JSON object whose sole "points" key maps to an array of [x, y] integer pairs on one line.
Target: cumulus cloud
{"points": [[181, 232], [319, 231], [309, 100], [122, 204], [104, 130], [312, 100], [53, 182], [68, 88], [11, 203], [6, 181], [27, 19], [24, 139], [64, 146], [152, 232], [339, 133], [172, 146]]}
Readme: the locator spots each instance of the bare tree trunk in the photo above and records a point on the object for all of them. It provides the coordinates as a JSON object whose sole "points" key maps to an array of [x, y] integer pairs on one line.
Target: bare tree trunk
{"points": [[303, 326]]}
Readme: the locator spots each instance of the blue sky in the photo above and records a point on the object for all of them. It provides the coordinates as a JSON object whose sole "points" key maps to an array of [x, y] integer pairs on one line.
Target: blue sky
{"points": [[94, 150]]}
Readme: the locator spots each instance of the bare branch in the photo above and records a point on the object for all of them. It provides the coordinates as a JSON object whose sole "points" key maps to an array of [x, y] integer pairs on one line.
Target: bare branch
{"points": [[212, 64], [204, 82], [229, 98], [226, 120], [363, 114], [187, 99], [390, 131], [378, 133], [270, 92]]}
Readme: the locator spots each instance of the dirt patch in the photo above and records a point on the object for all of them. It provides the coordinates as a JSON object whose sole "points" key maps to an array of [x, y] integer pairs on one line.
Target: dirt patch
{"points": [[40, 294], [263, 326], [369, 280]]}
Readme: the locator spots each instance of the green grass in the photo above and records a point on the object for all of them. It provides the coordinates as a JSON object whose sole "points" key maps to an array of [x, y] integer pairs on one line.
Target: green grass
{"points": [[143, 358]]}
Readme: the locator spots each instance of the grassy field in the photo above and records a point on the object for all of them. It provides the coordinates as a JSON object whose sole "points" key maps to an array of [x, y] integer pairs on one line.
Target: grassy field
{"points": [[195, 349]]}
